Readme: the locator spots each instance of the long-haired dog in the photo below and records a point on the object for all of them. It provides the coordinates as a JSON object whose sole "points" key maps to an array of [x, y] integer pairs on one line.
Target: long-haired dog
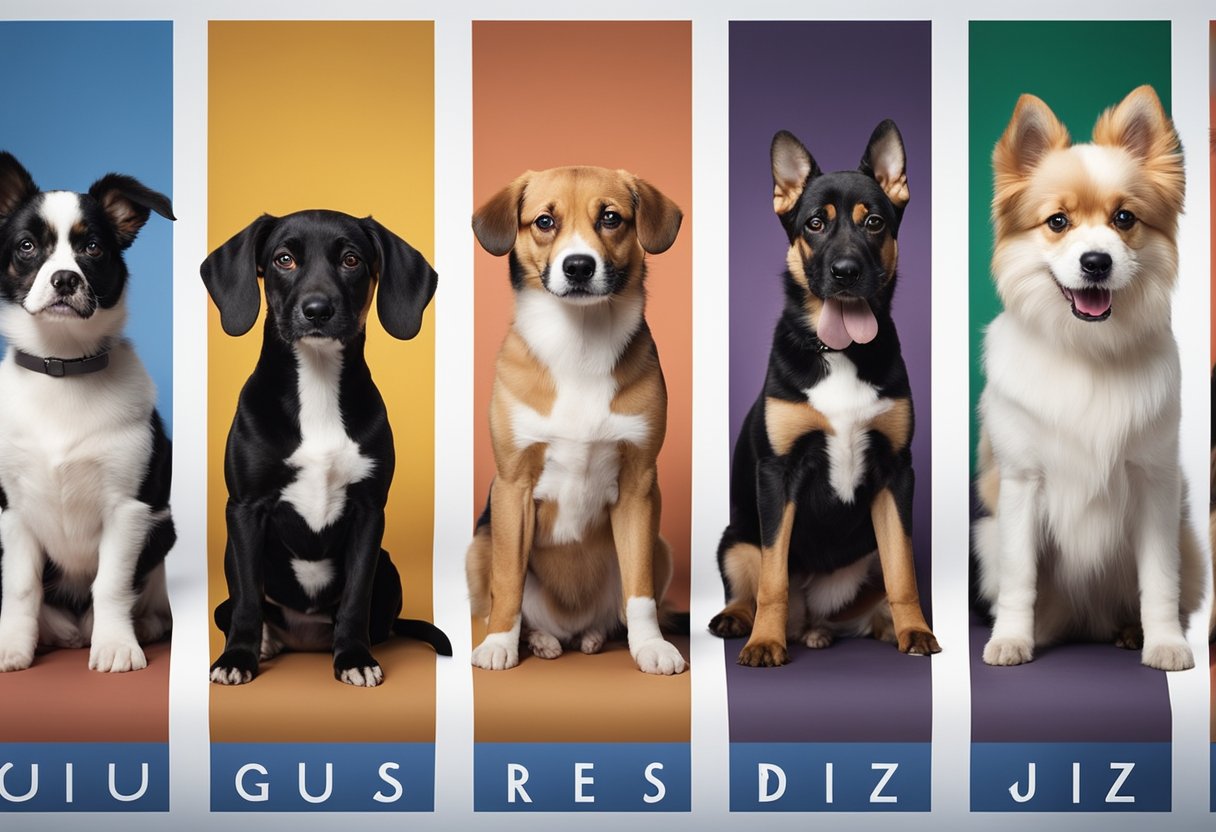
{"points": [[1087, 535]]}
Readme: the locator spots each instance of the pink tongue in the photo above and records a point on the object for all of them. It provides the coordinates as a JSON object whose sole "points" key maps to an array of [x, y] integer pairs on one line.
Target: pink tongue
{"points": [[1092, 302], [844, 321]]}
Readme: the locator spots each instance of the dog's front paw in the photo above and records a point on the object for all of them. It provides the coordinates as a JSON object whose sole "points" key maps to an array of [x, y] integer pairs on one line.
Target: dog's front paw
{"points": [[659, 657], [116, 656], [1171, 655], [920, 643], [763, 654], [729, 624], [499, 651], [16, 657], [357, 667], [234, 667], [544, 645], [1006, 651]]}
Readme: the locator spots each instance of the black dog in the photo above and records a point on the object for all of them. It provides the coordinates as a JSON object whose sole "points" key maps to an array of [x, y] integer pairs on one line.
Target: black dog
{"points": [[822, 474], [310, 455]]}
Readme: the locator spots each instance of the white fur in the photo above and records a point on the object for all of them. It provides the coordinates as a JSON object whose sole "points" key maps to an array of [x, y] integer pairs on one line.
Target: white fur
{"points": [[850, 405], [313, 575], [601, 617], [498, 651], [61, 210], [651, 652], [327, 459], [559, 285], [580, 346]]}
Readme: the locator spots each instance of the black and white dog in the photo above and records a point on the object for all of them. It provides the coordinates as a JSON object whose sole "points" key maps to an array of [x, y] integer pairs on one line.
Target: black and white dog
{"points": [[84, 460], [310, 454]]}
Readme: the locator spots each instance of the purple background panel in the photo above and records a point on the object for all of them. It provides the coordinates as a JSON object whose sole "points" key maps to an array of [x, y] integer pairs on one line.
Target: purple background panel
{"points": [[829, 83], [1069, 693]]}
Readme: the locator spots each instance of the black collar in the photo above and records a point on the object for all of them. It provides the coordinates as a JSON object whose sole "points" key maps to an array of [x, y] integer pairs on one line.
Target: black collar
{"points": [[60, 367]]}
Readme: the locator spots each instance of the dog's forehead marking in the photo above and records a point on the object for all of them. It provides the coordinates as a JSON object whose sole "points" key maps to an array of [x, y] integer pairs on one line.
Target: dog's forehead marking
{"points": [[581, 191]]}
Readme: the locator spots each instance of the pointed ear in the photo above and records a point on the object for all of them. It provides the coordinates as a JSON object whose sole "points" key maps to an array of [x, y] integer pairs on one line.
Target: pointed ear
{"points": [[1033, 132], [128, 204], [231, 273], [496, 224], [656, 218], [16, 185], [886, 161], [406, 281], [1140, 126], [793, 167]]}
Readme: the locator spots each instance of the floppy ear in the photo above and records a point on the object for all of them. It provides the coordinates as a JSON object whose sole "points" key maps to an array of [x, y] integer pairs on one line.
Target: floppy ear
{"points": [[1033, 132], [231, 275], [496, 224], [128, 204], [793, 167], [1139, 125], [407, 282], [16, 185], [656, 218], [886, 161]]}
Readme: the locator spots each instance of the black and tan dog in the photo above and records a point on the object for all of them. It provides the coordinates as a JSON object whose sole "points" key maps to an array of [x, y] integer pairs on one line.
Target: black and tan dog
{"points": [[821, 489], [568, 547], [310, 454]]}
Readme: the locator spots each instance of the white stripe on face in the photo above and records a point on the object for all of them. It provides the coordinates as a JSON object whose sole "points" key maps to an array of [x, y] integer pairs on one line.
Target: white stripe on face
{"points": [[61, 210], [560, 285]]}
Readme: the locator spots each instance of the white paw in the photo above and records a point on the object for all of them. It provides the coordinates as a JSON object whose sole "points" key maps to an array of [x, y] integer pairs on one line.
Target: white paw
{"points": [[1008, 651], [817, 638], [495, 654], [15, 658], [660, 657], [544, 645], [116, 656], [362, 677], [231, 676], [1172, 655], [593, 642]]}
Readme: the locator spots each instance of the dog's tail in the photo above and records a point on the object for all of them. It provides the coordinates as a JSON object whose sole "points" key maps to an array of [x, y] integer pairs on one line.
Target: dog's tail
{"points": [[423, 631], [674, 623]]}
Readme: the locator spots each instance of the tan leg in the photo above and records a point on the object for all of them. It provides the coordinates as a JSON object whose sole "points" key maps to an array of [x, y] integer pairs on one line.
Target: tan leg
{"points": [[899, 575], [766, 647], [741, 563], [512, 523]]}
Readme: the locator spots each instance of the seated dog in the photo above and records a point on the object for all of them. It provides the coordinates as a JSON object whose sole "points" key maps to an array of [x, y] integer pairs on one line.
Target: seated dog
{"points": [[85, 463], [310, 456]]}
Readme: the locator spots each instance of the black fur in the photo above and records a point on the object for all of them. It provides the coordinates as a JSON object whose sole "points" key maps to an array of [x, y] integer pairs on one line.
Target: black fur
{"points": [[337, 257]]}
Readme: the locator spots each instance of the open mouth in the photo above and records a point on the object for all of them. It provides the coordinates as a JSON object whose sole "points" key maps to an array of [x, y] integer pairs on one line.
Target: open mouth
{"points": [[844, 320], [1092, 303]]}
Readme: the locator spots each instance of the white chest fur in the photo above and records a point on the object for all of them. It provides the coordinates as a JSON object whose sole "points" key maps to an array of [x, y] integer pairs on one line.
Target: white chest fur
{"points": [[850, 405], [327, 459], [580, 346]]}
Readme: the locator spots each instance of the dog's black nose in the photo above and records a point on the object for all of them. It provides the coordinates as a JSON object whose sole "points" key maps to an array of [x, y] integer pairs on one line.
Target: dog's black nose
{"points": [[1096, 265], [65, 283], [579, 268], [317, 309], [846, 268]]}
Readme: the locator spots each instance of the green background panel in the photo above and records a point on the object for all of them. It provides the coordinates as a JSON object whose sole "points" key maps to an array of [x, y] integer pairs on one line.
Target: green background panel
{"points": [[1079, 68]]}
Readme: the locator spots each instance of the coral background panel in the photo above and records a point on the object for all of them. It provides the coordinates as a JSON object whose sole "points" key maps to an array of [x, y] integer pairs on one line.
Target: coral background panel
{"points": [[564, 77], [1024, 703], [350, 127], [59, 698]]}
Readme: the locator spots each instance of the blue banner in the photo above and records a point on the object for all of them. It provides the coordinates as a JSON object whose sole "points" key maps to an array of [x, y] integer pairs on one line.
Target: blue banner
{"points": [[84, 777], [586, 777], [829, 777], [1070, 777], [322, 777]]}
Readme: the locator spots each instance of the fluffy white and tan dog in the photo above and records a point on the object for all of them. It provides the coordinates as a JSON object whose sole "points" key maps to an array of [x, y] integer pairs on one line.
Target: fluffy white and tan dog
{"points": [[1087, 535]]}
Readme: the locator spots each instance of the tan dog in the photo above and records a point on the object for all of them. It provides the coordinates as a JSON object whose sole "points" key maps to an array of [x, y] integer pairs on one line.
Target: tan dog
{"points": [[568, 548]]}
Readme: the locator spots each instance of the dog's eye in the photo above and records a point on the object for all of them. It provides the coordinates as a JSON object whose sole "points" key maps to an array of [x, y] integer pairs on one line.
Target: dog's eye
{"points": [[92, 249], [1124, 219], [350, 261], [284, 260], [814, 224], [1057, 222], [544, 222], [610, 219], [875, 223], [26, 246]]}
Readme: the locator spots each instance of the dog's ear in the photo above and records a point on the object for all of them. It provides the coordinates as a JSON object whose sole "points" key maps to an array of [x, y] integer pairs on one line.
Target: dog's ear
{"points": [[793, 167], [1140, 126], [886, 161], [407, 282], [16, 185], [496, 224], [128, 203], [656, 218], [231, 273], [1033, 132]]}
